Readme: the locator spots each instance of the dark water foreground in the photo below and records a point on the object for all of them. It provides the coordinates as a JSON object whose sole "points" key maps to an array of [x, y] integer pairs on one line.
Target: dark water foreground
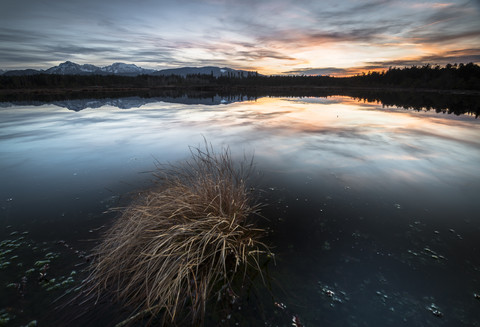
{"points": [[372, 210]]}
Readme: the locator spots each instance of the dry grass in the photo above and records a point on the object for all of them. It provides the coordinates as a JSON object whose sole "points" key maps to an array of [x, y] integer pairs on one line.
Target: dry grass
{"points": [[177, 243]]}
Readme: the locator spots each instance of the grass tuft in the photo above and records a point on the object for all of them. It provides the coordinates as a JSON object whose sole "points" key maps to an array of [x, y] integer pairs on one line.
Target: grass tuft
{"points": [[179, 242]]}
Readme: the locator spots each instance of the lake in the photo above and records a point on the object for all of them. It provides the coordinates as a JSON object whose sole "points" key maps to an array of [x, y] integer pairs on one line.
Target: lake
{"points": [[372, 210]]}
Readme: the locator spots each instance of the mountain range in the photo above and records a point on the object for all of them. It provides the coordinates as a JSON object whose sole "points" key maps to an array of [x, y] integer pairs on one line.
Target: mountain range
{"points": [[118, 68]]}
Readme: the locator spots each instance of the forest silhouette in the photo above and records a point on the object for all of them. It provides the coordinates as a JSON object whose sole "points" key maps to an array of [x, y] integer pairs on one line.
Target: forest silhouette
{"points": [[450, 89], [449, 77]]}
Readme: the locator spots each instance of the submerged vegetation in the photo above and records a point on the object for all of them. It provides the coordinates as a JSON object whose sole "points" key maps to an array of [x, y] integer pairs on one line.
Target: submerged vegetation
{"points": [[181, 242], [31, 270]]}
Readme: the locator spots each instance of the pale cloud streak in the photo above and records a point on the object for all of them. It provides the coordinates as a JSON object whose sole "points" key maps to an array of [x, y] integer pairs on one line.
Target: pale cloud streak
{"points": [[269, 36]]}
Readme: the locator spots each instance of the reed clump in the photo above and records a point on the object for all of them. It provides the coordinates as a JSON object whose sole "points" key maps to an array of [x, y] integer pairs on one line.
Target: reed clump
{"points": [[181, 241]]}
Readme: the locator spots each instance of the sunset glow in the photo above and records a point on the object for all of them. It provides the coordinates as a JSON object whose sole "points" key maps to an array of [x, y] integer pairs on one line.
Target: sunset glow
{"points": [[272, 37]]}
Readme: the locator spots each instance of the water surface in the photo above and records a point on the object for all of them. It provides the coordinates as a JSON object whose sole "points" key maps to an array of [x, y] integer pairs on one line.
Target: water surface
{"points": [[373, 211]]}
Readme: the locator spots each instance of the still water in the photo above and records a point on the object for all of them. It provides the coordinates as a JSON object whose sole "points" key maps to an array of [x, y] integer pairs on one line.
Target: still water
{"points": [[373, 211]]}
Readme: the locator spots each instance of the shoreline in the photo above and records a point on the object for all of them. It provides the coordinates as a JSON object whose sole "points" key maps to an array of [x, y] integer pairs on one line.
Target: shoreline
{"points": [[263, 90]]}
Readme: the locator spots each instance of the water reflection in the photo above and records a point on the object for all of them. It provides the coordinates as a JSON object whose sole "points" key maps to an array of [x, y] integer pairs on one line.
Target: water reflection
{"points": [[129, 102], [452, 103], [372, 209], [360, 143]]}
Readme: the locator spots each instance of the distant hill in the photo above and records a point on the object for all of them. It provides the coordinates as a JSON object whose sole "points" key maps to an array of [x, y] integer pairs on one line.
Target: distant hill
{"points": [[118, 68], [209, 70], [70, 68]]}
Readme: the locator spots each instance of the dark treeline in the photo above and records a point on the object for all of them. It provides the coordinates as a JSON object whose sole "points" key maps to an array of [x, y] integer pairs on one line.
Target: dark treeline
{"points": [[450, 77], [53, 81]]}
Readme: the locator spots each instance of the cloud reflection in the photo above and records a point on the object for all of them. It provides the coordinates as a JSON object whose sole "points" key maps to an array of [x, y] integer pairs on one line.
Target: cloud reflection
{"points": [[359, 145], [341, 129]]}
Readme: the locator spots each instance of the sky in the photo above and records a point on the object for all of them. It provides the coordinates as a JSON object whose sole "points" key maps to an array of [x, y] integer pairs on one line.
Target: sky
{"points": [[335, 37]]}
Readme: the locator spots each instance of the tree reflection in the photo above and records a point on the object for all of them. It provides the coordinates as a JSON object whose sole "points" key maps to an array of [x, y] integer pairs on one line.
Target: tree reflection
{"points": [[451, 103]]}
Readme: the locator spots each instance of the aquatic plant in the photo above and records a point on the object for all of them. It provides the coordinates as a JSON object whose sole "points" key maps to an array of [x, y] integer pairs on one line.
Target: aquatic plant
{"points": [[181, 242]]}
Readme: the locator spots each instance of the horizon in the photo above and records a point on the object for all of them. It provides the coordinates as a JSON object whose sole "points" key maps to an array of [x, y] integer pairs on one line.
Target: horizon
{"points": [[286, 37], [200, 67]]}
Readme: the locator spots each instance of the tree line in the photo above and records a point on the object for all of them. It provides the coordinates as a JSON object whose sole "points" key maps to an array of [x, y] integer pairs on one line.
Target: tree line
{"points": [[449, 77]]}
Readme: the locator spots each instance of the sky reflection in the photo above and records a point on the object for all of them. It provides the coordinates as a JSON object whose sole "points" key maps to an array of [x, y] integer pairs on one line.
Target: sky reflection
{"points": [[337, 135], [370, 193]]}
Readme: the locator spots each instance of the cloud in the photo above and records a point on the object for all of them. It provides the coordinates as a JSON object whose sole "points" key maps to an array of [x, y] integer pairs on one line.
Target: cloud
{"points": [[454, 56], [442, 36], [277, 35], [67, 49], [447, 22], [318, 71], [14, 35], [260, 54], [448, 57]]}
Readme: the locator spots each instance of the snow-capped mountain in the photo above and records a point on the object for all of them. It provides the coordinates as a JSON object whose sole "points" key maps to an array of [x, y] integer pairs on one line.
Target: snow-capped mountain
{"points": [[209, 70], [120, 68], [71, 68]]}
